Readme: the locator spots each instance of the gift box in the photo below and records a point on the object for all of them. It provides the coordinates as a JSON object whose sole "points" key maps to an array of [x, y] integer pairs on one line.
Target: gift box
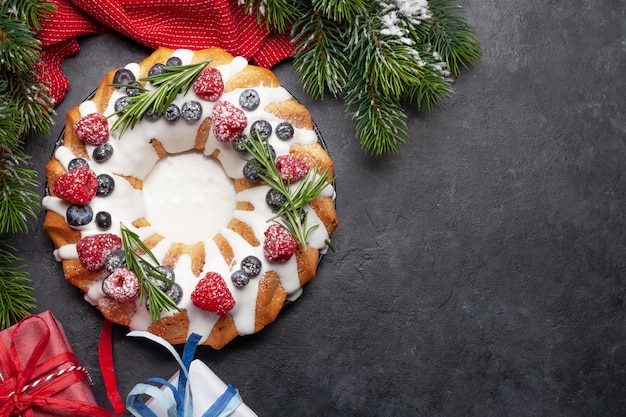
{"points": [[39, 372], [194, 391]]}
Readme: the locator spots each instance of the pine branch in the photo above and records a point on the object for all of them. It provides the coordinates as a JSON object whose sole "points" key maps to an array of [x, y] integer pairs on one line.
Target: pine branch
{"points": [[25, 108], [381, 121], [31, 12], [452, 37], [321, 63], [16, 294], [275, 14], [340, 10], [31, 97], [18, 199], [429, 91], [387, 52], [18, 52]]}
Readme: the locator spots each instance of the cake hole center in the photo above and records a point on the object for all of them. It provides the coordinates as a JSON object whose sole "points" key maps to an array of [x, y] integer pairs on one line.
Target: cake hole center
{"points": [[189, 197]]}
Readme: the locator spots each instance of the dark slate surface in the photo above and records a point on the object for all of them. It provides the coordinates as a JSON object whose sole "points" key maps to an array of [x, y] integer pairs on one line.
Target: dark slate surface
{"points": [[479, 272]]}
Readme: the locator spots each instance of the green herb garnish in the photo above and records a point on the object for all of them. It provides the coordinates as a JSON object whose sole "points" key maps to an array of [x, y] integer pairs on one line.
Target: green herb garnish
{"points": [[291, 214], [175, 79], [144, 269]]}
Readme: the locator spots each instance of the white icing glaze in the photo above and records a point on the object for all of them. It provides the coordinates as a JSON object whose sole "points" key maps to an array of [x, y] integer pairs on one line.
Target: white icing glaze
{"points": [[173, 197], [135, 156]]}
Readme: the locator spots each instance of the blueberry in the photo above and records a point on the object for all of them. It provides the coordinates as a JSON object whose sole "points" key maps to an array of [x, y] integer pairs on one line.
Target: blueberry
{"points": [[191, 111], [174, 62], [172, 113], [267, 147], [115, 260], [262, 128], [275, 199], [77, 163], [175, 293], [123, 76], [284, 131], [106, 284], [240, 141], [102, 152], [156, 69], [103, 220], [78, 215], [166, 272], [272, 151], [134, 89], [121, 104], [249, 99], [251, 171], [251, 265], [153, 115], [106, 185], [240, 278]]}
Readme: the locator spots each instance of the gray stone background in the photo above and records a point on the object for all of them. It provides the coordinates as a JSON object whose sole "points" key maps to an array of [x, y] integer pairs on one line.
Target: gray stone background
{"points": [[479, 272]]}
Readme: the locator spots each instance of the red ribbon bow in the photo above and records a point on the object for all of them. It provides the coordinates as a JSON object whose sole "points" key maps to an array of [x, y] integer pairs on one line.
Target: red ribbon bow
{"points": [[36, 382]]}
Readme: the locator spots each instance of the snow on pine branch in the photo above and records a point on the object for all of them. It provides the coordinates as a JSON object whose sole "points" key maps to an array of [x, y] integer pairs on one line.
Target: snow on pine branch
{"points": [[398, 13]]}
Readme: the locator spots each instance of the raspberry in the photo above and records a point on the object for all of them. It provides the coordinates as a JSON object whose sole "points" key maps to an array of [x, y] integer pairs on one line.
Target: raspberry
{"points": [[291, 168], [209, 85], [93, 129], [212, 294], [77, 186], [279, 245], [122, 285], [94, 250], [228, 121]]}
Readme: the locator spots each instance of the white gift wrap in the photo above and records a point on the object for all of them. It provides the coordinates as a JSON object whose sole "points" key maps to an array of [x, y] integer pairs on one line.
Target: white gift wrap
{"points": [[206, 388]]}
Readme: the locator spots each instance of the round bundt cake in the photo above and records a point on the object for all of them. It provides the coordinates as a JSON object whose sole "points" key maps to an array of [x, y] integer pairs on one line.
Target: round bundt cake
{"points": [[190, 193]]}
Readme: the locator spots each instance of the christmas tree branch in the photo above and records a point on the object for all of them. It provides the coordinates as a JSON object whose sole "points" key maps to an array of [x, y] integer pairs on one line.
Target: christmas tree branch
{"points": [[18, 200], [25, 108], [340, 10], [378, 54], [16, 294], [453, 38], [321, 64], [278, 15]]}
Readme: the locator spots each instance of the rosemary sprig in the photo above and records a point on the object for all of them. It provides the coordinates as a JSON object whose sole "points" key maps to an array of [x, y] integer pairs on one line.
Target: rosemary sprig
{"points": [[174, 80], [145, 268], [291, 214]]}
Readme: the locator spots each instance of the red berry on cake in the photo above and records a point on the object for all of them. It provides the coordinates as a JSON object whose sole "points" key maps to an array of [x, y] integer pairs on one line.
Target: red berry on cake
{"points": [[291, 168], [228, 121], [209, 84], [212, 294], [93, 129], [93, 250], [77, 186], [122, 285], [279, 245]]}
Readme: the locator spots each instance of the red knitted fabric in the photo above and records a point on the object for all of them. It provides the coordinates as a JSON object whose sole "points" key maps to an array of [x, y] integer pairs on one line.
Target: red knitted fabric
{"points": [[191, 24]]}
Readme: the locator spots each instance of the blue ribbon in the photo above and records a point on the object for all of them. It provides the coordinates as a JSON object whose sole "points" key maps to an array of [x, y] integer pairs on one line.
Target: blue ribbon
{"points": [[180, 403]]}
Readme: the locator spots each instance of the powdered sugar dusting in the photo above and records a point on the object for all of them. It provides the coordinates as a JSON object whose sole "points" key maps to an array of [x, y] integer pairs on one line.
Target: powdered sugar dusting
{"points": [[291, 168], [92, 129], [122, 285], [228, 121], [93, 250], [279, 245], [209, 85]]}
